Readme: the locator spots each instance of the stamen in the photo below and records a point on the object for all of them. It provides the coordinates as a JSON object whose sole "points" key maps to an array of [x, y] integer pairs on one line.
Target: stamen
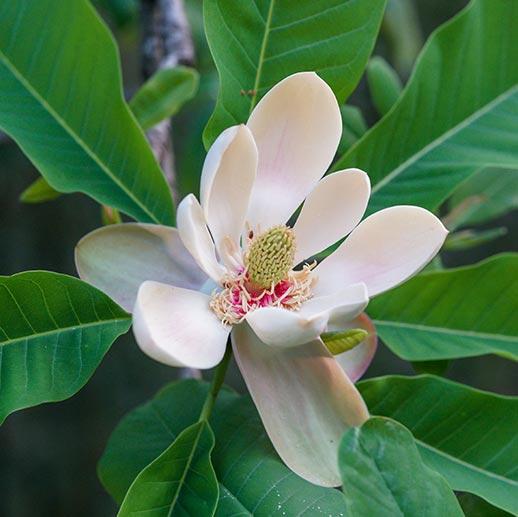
{"points": [[240, 296]]}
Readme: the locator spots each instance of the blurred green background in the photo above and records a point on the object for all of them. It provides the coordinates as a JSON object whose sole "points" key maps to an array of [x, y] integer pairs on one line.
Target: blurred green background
{"points": [[48, 454]]}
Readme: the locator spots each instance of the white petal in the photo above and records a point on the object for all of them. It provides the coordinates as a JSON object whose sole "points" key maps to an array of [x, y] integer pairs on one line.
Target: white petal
{"points": [[297, 127], [196, 237], [284, 328], [356, 361], [383, 250], [226, 183], [305, 400], [118, 258], [334, 207], [176, 326]]}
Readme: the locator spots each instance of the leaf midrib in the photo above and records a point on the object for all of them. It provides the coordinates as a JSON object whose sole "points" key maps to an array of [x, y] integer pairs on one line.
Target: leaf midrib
{"points": [[445, 330], [187, 467], [79, 141], [62, 329], [437, 141], [262, 53]]}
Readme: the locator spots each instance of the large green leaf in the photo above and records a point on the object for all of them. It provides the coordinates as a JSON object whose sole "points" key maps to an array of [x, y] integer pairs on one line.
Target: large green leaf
{"points": [[383, 474], [263, 41], [485, 195], [252, 478], [61, 100], [445, 314], [54, 331], [164, 94], [181, 481], [458, 113], [468, 436]]}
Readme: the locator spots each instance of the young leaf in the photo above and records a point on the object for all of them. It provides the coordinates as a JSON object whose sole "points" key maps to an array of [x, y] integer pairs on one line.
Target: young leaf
{"points": [[252, 478], [54, 331], [180, 481], [342, 341], [264, 41], [462, 312], [457, 114], [163, 95], [354, 127], [468, 436], [494, 192], [39, 191], [383, 474], [384, 84], [61, 101]]}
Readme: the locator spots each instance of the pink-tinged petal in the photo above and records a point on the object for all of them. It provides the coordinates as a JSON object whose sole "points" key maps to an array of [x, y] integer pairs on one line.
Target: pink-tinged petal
{"points": [[176, 327], [118, 258], [226, 183], [305, 400], [196, 237], [383, 251], [356, 361], [297, 127], [285, 328], [334, 207]]}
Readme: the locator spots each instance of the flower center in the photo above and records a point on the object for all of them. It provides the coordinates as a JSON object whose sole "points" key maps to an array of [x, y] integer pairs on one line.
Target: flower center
{"points": [[270, 256], [267, 279]]}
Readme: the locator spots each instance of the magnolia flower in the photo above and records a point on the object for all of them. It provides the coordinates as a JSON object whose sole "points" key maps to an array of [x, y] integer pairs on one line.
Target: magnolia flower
{"points": [[236, 265]]}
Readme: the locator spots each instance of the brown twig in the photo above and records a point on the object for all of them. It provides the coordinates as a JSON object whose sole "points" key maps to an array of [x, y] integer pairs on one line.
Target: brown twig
{"points": [[166, 42]]}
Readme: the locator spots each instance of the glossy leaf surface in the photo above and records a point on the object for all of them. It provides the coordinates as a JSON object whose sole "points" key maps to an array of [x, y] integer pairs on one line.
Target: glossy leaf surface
{"points": [[263, 41], [181, 481], [468, 436], [252, 478], [383, 474], [457, 114], [446, 314], [61, 101], [54, 331]]}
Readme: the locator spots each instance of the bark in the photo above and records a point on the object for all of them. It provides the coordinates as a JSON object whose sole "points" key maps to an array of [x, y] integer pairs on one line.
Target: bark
{"points": [[166, 42]]}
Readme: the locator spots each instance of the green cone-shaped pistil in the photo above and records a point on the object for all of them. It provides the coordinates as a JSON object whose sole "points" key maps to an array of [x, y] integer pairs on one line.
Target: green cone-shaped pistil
{"points": [[270, 256]]}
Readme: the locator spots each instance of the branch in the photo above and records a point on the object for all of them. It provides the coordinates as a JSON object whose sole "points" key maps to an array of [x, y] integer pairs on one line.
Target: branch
{"points": [[166, 42]]}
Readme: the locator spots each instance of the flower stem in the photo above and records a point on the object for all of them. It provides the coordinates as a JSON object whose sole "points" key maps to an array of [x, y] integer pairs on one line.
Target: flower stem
{"points": [[217, 382]]}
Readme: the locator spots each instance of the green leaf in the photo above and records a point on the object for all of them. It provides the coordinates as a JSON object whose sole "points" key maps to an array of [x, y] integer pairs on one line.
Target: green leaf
{"points": [[164, 94], [180, 481], [263, 41], [468, 436], [384, 84], [342, 341], [61, 100], [354, 127], [252, 478], [474, 506], [54, 331], [467, 239], [39, 191], [493, 192], [462, 312], [383, 474], [458, 112]]}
